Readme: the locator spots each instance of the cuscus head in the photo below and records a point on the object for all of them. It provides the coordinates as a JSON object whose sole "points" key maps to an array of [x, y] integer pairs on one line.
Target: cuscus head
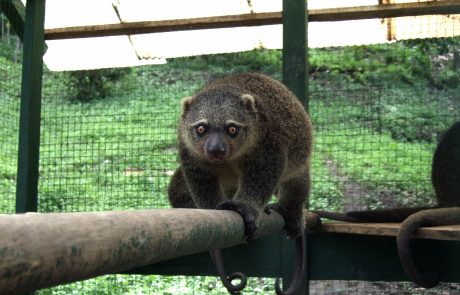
{"points": [[218, 125]]}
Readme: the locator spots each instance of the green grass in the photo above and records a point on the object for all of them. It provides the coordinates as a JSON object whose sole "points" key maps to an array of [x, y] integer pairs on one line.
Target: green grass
{"points": [[10, 75], [371, 162], [120, 144], [366, 150], [378, 111], [158, 285]]}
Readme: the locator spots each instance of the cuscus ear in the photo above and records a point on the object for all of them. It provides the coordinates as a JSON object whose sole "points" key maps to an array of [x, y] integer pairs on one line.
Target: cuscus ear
{"points": [[186, 102], [249, 102]]}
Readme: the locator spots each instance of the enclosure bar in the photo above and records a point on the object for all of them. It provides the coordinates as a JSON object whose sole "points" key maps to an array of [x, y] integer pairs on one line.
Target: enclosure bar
{"points": [[294, 77], [255, 19], [44, 250], [14, 10], [29, 120], [295, 48]]}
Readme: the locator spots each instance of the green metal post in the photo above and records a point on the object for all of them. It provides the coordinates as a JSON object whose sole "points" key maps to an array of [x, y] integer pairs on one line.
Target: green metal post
{"points": [[295, 78], [29, 122], [295, 51]]}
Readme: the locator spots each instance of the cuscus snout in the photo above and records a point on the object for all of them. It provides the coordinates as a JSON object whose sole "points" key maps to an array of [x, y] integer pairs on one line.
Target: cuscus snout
{"points": [[216, 148]]}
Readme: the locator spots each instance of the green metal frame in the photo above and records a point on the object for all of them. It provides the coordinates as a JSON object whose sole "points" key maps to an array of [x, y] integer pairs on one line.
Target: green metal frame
{"points": [[375, 258], [29, 120], [295, 48], [331, 257], [295, 78], [259, 258]]}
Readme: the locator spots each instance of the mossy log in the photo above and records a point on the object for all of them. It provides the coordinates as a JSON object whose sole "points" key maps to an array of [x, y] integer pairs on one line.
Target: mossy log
{"points": [[44, 250]]}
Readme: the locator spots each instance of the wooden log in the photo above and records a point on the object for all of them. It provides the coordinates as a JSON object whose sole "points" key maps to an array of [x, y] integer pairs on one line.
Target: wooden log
{"points": [[255, 19], [44, 250]]}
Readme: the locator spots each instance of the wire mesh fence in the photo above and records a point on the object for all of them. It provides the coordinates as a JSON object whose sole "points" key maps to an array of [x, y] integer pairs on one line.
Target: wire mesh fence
{"points": [[374, 132], [108, 137], [117, 151], [379, 111], [10, 90]]}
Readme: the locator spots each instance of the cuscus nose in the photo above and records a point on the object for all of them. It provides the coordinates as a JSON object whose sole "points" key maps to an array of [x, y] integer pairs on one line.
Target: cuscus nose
{"points": [[216, 148], [217, 153]]}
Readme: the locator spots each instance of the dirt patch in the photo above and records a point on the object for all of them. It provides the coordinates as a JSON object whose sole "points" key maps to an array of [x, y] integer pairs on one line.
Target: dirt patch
{"points": [[354, 193], [386, 288]]}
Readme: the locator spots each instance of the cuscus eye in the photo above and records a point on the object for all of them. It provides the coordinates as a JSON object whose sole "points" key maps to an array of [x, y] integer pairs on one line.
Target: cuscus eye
{"points": [[232, 130], [200, 129]]}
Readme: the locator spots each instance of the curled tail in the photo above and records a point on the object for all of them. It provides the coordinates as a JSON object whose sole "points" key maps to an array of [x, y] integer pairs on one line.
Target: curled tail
{"points": [[299, 269], [431, 217], [216, 256]]}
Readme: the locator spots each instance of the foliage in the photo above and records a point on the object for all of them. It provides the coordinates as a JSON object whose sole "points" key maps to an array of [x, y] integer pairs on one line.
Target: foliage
{"points": [[11, 53], [217, 65], [414, 62], [373, 64], [10, 78], [87, 85], [154, 284], [10, 45], [402, 76]]}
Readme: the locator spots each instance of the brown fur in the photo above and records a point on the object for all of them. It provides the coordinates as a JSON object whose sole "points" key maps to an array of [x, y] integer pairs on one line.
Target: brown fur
{"points": [[270, 154]]}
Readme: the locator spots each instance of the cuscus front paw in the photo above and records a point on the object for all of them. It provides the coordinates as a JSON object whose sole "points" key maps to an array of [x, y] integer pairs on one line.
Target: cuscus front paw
{"points": [[248, 213], [294, 223]]}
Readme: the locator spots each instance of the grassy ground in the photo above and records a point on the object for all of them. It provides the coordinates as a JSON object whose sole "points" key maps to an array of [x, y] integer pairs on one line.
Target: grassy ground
{"points": [[377, 110]]}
